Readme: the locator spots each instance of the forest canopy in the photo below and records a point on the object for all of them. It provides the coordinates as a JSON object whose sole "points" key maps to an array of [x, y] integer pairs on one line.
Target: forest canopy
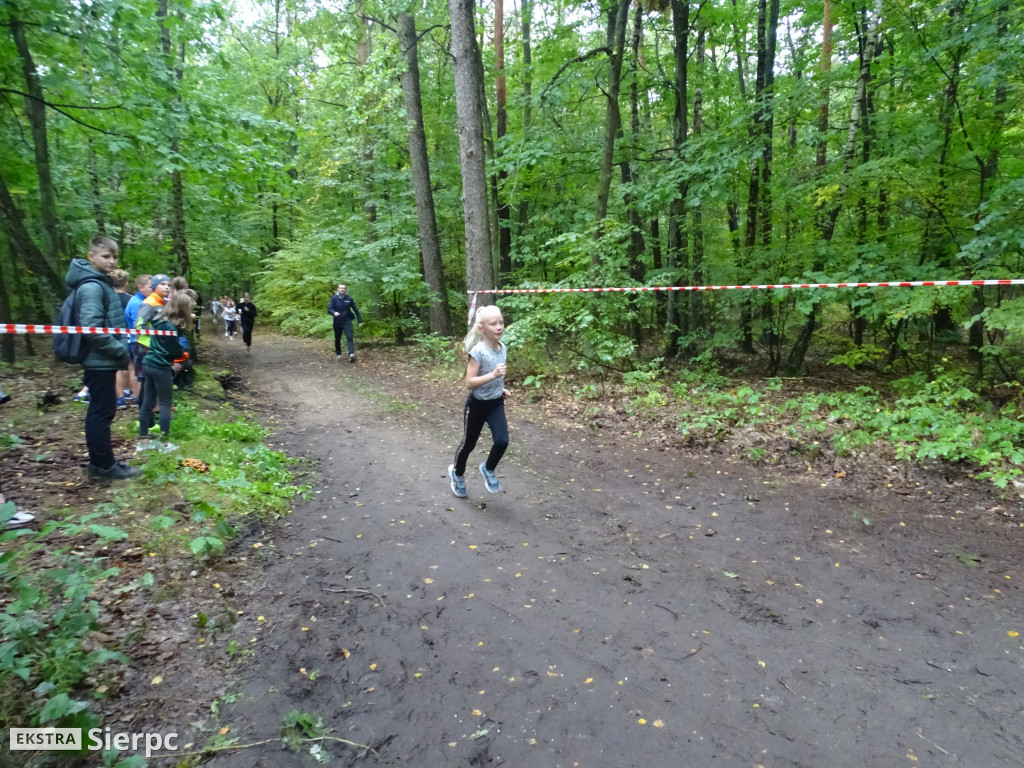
{"points": [[417, 151]]}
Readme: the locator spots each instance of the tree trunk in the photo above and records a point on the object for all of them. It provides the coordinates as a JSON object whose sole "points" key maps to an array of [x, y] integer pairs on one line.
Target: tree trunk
{"points": [[94, 185], [523, 207], [369, 185], [469, 111], [6, 313], [503, 210], [821, 158], [23, 248], [35, 110], [433, 268], [617, 16], [989, 167], [827, 221], [696, 276], [636, 226], [675, 255], [488, 134], [175, 65]]}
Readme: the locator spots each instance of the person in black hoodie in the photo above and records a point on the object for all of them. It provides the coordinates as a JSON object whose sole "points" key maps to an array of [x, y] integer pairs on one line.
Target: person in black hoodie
{"points": [[247, 316], [99, 306], [343, 308]]}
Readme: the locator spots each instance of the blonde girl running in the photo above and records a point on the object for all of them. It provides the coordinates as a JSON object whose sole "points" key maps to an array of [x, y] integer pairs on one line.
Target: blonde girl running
{"points": [[485, 378]]}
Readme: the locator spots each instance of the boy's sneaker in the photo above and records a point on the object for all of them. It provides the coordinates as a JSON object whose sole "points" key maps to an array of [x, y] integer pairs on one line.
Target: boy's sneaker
{"points": [[490, 479], [121, 403], [458, 483], [115, 471], [351, 358], [20, 518], [82, 398]]}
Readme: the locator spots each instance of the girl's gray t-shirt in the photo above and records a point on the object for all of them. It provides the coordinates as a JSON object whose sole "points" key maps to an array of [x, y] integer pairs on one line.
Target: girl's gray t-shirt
{"points": [[489, 359]]}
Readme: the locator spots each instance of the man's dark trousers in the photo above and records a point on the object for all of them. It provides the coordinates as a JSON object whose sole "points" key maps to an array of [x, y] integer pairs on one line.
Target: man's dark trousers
{"points": [[343, 326], [102, 407]]}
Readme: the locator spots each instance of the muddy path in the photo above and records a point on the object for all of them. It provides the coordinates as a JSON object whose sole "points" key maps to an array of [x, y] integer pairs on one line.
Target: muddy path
{"points": [[616, 605]]}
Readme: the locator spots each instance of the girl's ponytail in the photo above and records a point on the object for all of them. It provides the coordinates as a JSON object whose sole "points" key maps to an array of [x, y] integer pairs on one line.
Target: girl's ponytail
{"points": [[475, 336]]}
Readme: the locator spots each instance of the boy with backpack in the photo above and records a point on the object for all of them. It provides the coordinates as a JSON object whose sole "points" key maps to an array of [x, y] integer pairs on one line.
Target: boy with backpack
{"points": [[99, 306]]}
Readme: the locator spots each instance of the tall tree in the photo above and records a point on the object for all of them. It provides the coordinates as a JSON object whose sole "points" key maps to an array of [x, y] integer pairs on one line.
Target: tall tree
{"points": [[618, 13], [870, 49], [470, 108], [676, 251], [35, 109], [174, 59], [433, 268], [504, 211], [526, 30]]}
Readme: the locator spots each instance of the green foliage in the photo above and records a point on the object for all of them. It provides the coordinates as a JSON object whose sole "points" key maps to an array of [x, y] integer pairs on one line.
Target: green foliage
{"points": [[433, 349], [936, 419], [48, 616], [928, 419], [244, 477], [298, 728]]}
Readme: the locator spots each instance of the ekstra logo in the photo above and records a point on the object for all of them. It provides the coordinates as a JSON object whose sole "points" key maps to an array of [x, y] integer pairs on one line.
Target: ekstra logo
{"points": [[23, 739]]}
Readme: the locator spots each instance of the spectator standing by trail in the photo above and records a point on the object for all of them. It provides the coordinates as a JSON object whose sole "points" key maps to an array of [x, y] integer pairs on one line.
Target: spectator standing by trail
{"points": [[247, 316], [160, 289], [342, 308], [98, 306], [119, 279], [485, 378], [131, 315], [158, 383]]}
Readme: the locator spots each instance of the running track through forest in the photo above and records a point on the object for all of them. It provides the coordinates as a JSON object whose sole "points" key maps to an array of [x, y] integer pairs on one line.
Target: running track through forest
{"points": [[617, 605]]}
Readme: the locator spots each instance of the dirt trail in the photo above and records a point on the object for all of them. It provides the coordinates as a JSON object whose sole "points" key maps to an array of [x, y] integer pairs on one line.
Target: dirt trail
{"points": [[616, 605]]}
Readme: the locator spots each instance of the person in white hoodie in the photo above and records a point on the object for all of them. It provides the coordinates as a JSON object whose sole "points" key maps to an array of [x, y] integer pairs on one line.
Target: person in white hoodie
{"points": [[230, 319]]}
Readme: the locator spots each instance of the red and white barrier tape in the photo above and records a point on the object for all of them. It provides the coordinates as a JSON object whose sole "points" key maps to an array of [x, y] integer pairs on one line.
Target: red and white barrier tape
{"points": [[29, 328], [644, 289]]}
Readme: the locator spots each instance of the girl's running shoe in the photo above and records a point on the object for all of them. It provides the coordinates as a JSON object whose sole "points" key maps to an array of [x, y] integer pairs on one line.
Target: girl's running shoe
{"points": [[458, 483], [490, 479]]}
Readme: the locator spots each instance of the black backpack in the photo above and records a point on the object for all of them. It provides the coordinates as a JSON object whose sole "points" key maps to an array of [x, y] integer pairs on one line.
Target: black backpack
{"points": [[72, 347]]}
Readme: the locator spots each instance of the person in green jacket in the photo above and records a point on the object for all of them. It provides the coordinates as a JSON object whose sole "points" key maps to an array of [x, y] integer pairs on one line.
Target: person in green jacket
{"points": [[158, 368], [99, 306]]}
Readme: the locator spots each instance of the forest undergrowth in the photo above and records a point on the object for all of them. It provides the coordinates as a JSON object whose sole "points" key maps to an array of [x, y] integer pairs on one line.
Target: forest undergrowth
{"points": [[83, 588]]}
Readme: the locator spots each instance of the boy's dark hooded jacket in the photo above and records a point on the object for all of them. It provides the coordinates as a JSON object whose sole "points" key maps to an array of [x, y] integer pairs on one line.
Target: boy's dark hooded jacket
{"points": [[99, 306]]}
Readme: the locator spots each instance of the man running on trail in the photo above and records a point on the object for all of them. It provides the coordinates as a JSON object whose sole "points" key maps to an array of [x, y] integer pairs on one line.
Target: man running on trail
{"points": [[343, 309], [247, 315]]}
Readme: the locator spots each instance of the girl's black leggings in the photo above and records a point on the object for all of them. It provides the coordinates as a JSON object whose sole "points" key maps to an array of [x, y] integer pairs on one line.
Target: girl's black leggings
{"points": [[474, 416]]}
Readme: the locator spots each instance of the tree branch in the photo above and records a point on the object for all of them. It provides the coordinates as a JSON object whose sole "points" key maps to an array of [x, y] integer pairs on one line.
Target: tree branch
{"points": [[578, 60], [54, 106]]}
